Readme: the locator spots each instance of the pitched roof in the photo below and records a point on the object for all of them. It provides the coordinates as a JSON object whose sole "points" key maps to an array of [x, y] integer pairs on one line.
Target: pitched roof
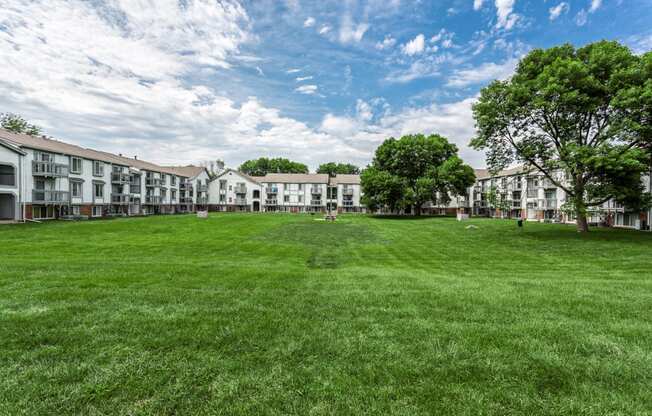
{"points": [[189, 171], [485, 174], [346, 179], [295, 178], [254, 179], [11, 146], [56, 146]]}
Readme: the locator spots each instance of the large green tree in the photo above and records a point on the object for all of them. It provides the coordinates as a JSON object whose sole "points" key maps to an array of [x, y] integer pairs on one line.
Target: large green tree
{"points": [[17, 124], [413, 170], [332, 169], [572, 111], [263, 166]]}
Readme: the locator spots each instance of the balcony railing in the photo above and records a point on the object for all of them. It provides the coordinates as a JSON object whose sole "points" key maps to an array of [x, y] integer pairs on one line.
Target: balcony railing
{"points": [[120, 199], [202, 188], [241, 201], [347, 191], [271, 202], [240, 189], [49, 169], [271, 190], [550, 203], [153, 182], [532, 193], [516, 204], [50, 197], [120, 178], [186, 200], [316, 190], [316, 202], [202, 200], [153, 200], [134, 189], [347, 203], [185, 185]]}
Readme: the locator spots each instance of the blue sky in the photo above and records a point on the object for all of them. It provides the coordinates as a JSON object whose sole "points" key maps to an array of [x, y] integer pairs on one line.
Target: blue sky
{"points": [[192, 80]]}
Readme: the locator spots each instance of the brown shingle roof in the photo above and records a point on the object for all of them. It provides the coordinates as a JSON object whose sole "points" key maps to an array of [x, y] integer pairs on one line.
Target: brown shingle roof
{"points": [[295, 178], [56, 146], [346, 179], [189, 171]]}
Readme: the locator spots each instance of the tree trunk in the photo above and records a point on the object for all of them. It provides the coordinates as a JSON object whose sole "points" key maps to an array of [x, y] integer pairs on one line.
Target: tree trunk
{"points": [[582, 224]]}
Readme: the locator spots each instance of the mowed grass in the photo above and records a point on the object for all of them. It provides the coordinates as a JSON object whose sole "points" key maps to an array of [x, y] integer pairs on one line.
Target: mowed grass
{"points": [[282, 314]]}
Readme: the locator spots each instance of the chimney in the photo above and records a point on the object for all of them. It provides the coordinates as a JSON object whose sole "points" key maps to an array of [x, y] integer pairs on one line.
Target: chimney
{"points": [[120, 154], [135, 157]]}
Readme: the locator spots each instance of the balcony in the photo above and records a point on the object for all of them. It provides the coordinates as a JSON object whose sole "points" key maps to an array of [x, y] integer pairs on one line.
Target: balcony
{"points": [[532, 193], [516, 204], [347, 203], [240, 189], [120, 199], [55, 170], [202, 188], [185, 185], [271, 202], [347, 191], [202, 200], [316, 202], [153, 200], [120, 178], [550, 203], [153, 182], [186, 200], [241, 201], [316, 190], [50, 197], [271, 190], [134, 189]]}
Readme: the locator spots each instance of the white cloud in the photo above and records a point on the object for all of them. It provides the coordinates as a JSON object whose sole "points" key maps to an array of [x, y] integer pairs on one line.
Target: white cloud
{"points": [[351, 32], [324, 30], [292, 71], [299, 79], [415, 46], [307, 89], [581, 18], [477, 4], [595, 5], [641, 44], [484, 73], [445, 37], [387, 43], [558, 10], [309, 22], [425, 67], [505, 14]]}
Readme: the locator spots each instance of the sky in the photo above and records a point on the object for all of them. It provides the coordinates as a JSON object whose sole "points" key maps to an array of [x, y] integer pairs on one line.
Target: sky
{"points": [[186, 81]]}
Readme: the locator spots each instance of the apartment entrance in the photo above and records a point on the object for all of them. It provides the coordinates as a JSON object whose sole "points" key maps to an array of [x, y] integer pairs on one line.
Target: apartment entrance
{"points": [[7, 207], [256, 206]]}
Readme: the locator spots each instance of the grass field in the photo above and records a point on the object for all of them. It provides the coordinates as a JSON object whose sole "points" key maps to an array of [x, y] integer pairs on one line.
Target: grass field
{"points": [[282, 314]]}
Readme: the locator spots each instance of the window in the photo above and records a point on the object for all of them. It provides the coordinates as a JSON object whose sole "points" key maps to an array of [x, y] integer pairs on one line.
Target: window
{"points": [[76, 211], [98, 190], [286, 198], [300, 186], [163, 193], [76, 165], [7, 175], [97, 211], [98, 168], [222, 197], [230, 187], [174, 181], [300, 198], [174, 194], [76, 189]]}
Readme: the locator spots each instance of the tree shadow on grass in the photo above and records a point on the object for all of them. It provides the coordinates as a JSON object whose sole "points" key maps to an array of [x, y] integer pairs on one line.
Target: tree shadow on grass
{"points": [[408, 217]]}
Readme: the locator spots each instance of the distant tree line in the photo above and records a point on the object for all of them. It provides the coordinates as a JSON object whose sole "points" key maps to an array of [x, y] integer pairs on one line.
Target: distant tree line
{"points": [[17, 124], [262, 166]]}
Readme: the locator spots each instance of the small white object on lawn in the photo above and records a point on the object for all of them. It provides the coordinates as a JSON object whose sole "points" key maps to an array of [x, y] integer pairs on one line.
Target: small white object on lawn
{"points": [[471, 227], [202, 214]]}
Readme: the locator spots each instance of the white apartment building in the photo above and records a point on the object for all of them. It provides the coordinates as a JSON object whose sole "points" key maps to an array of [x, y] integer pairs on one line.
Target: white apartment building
{"points": [[285, 192], [529, 195], [42, 178]]}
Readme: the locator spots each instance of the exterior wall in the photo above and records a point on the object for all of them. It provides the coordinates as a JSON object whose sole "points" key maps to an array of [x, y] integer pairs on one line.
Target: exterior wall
{"points": [[226, 198], [11, 192]]}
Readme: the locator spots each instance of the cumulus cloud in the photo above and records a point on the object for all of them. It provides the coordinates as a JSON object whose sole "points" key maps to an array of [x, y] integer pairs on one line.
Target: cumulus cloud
{"points": [[324, 30], [387, 43], [582, 17], [484, 73], [415, 46], [595, 5], [351, 32], [477, 4], [309, 22], [558, 10]]}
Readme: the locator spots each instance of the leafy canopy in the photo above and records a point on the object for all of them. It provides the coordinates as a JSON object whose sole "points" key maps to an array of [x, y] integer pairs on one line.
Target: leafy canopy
{"points": [[583, 112], [332, 169], [263, 166], [413, 170], [16, 124]]}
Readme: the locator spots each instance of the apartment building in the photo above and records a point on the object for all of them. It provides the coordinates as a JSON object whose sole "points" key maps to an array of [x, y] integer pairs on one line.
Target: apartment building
{"points": [[530, 195], [42, 178], [285, 192]]}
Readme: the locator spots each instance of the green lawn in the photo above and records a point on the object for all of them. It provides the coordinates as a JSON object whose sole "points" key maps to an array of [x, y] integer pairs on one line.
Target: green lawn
{"points": [[283, 314]]}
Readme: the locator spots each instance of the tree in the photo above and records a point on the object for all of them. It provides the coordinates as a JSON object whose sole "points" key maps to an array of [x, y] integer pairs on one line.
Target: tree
{"points": [[413, 170], [570, 110], [263, 166], [332, 169], [16, 124], [498, 200]]}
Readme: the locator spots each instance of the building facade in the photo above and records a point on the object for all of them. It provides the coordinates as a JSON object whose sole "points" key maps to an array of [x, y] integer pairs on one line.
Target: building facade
{"points": [[42, 178]]}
